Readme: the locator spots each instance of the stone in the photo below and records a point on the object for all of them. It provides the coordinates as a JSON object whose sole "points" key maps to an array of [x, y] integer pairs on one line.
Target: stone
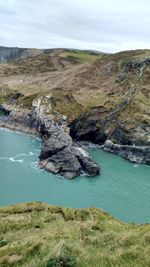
{"points": [[108, 143], [61, 156], [120, 77], [64, 118], [88, 165]]}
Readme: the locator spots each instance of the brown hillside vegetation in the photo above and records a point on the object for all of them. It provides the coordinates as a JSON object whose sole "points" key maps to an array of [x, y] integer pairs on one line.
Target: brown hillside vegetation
{"points": [[107, 82]]}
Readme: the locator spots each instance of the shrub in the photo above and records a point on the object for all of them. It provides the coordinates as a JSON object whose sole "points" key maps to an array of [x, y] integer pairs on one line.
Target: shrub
{"points": [[62, 261]]}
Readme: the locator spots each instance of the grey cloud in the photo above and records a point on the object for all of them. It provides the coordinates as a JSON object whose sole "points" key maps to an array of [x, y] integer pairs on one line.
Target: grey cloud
{"points": [[109, 25]]}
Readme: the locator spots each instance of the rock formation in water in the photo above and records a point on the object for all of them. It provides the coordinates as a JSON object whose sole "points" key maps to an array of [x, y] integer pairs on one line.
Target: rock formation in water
{"points": [[61, 156], [68, 96]]}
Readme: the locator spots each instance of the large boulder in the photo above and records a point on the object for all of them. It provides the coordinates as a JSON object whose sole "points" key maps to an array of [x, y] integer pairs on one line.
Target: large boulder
{"points": [[60, 156]]}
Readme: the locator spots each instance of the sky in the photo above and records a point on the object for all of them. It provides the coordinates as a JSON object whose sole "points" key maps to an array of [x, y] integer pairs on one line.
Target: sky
{"points": [[103, 25]]}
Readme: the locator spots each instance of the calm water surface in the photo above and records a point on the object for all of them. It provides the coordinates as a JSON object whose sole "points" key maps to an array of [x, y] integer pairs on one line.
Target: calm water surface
{"points": [[122, 189]]}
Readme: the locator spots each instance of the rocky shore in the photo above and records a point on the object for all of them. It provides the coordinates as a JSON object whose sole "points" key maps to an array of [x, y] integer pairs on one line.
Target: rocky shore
{"points": [[135, 154], [59, 153]]}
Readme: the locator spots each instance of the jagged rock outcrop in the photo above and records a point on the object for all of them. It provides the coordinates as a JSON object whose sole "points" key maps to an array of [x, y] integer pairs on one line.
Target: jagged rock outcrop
{"points": [[36, 120], [138, 65], [61, 156]]}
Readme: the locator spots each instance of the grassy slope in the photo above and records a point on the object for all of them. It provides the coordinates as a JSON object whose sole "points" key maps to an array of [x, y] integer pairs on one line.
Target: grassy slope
{"points": [[32, 234], [43, 74], [82, 56]]}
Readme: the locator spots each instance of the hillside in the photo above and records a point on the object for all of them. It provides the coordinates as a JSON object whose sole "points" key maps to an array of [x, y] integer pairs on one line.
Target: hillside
{"points": [[39, 235], [10, 54], [95, 89]]}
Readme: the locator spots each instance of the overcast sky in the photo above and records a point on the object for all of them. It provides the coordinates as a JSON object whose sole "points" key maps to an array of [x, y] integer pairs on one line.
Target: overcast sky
{"points": [[104, 25]]}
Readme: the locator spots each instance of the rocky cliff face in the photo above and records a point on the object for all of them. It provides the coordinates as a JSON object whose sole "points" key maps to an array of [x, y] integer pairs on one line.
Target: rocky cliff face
{"points": [[8, 54], [101, 100], [124, 111]]}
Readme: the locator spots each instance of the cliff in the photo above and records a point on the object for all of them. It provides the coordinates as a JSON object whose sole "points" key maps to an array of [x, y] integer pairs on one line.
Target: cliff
{"points": [[104, 96]]}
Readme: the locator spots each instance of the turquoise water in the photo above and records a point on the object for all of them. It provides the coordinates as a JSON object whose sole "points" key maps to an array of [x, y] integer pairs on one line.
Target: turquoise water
{"points": [[122, 189]]}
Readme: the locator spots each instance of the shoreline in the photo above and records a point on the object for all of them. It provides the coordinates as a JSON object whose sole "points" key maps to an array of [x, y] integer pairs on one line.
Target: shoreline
{"points": [[59, 154], [127, 152]]}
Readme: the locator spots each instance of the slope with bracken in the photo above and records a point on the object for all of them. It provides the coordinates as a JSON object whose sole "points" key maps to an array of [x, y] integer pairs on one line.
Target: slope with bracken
{"points": [[104, 96]]}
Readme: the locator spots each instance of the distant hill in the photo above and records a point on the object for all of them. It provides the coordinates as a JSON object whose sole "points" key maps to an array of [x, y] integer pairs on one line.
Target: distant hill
{"points": [[9, 54]]}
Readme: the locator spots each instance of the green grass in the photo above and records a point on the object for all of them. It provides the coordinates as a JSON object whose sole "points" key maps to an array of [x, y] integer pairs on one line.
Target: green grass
{"points": [[82, 56], [39, 235], [64, 103]]}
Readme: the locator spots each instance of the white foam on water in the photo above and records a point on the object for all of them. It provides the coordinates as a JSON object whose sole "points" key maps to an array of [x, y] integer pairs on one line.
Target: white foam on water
{"points": [[94, 146], [12, 159], [34, 165], [16, 160], [20, 160], [5, 129], [20, 155], [83, 174]]}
